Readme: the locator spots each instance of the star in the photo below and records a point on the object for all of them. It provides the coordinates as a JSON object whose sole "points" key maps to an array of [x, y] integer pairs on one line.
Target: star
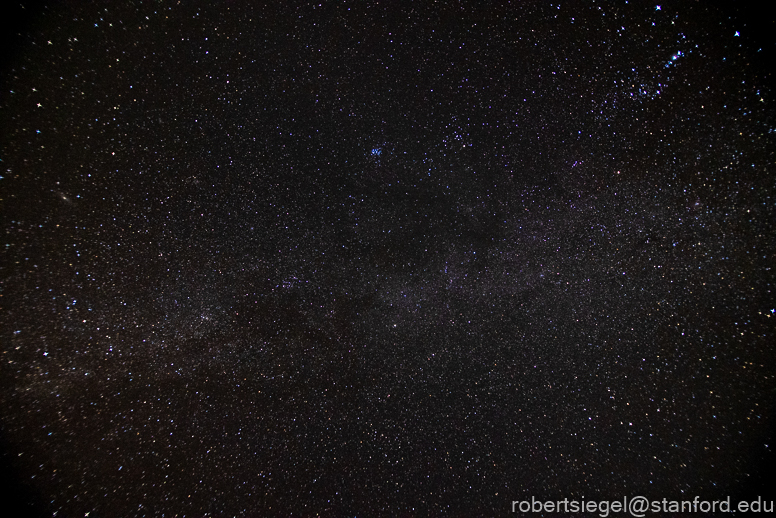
{"points": [[40, 105]]}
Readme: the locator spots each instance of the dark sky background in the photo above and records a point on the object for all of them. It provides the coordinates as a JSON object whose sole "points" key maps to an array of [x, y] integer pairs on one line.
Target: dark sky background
{"points": [[384, 258]]}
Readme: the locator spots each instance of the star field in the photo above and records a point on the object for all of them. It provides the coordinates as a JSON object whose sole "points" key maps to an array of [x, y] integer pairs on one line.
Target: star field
{"points": [[384, 259]]}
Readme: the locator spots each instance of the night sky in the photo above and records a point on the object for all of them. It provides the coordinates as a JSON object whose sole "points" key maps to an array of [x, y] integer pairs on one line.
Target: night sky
{"points": [[384, 258]]}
